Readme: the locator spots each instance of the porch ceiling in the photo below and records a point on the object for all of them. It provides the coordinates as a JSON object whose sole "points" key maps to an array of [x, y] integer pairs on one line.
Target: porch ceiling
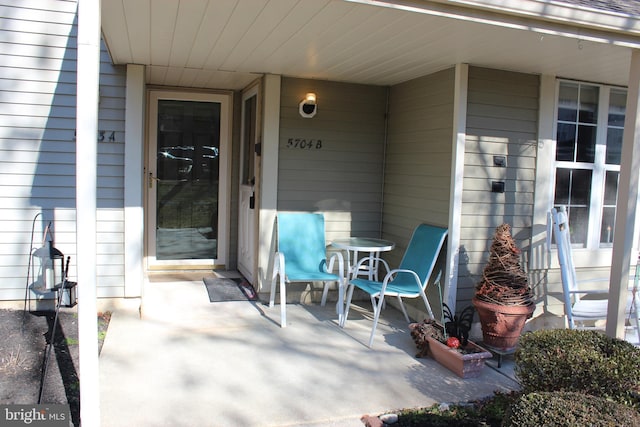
{"points": [[228, 43]]}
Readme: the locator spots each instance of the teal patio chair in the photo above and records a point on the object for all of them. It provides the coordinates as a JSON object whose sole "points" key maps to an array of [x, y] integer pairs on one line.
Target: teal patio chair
{"points": [[409, 280], [301, 257]]}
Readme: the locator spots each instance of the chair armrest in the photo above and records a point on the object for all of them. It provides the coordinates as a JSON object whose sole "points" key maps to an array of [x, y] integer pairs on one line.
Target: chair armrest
{"points": [[632, 287], [386, 266], [336, 256], [366, 259], [589, 291], [393, 273]]}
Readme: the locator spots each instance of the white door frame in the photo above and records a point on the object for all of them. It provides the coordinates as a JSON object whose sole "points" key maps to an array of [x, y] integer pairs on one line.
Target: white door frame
{"points": [[247, 218], [226, 100]]}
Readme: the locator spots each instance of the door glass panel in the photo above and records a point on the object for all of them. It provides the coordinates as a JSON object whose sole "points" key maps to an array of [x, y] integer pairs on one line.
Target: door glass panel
{"points": [[188, 148], [249, 138]]}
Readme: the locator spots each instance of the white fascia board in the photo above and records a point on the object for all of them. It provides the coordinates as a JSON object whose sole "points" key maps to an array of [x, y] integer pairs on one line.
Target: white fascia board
{"points": [[568, 13], [531, 15]]}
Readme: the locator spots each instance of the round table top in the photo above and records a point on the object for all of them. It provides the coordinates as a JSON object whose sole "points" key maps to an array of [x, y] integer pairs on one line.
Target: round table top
{"points": [[364, 244]]}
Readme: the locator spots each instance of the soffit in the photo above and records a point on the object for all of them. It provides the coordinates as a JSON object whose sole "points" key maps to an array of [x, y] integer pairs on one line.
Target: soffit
{"points": [[228, 43]]}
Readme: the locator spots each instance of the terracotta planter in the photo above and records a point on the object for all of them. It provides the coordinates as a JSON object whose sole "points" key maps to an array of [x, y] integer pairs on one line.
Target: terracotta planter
{"points": [[502, 324], [463, 365]]}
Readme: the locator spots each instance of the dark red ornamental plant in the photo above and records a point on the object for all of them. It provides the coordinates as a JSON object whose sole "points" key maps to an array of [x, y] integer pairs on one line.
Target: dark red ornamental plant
{"points": [[504, 281], [503, 298]]}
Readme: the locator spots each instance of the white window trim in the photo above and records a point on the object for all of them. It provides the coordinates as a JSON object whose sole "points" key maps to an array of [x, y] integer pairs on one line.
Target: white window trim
{"points": [[545, 185]]}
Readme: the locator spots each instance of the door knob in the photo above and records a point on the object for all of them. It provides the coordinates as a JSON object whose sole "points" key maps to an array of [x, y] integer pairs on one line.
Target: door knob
{"points": [[151, 179]]}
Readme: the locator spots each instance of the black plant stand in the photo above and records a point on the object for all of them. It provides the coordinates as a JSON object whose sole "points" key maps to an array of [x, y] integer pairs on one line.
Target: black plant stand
{"points": [[500, 352]]}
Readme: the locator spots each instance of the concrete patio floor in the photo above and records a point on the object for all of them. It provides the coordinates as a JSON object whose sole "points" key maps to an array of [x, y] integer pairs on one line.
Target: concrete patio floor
{"points": [[183, 361]]}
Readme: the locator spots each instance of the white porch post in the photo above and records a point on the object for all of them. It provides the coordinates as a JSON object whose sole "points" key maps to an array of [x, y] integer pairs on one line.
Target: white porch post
{"points": [[269, 180], [626, 207], [450, 291], [133, 191], [88, 76]]}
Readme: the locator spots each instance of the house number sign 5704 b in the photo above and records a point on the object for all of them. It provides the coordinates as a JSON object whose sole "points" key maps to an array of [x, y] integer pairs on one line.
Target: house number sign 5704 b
{"points": [[304, 144]]}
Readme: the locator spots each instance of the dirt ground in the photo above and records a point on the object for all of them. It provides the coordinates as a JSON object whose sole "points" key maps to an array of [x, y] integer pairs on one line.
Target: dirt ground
{"points": [[25, 378]]}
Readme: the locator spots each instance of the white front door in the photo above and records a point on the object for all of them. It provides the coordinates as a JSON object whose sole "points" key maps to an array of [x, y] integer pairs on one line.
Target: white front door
{"points": [[187, 179], [249, 182]]}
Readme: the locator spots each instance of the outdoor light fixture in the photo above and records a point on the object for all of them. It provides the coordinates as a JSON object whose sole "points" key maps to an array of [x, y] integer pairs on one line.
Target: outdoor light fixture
{"points": [[308, 107]]}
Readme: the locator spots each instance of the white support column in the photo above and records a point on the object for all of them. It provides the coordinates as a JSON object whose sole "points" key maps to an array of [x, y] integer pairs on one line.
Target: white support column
{"points": [[134, 177], [539, 256], [269, 180], [87, 92], [457, 177], [626, 206]]}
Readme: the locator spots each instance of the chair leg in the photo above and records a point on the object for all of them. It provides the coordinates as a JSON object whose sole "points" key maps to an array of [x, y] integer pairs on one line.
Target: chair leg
{"points": [[376, 316], [348, 304], [272, 294], [374, 304], [404, 310], [283, 304], [325, 291], [340, 303], [426, 304], [283, 298]]}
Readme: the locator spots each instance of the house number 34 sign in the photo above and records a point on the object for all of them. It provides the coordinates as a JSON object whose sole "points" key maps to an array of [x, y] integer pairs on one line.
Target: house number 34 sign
{"points": [[103, 136], [304, 144]]}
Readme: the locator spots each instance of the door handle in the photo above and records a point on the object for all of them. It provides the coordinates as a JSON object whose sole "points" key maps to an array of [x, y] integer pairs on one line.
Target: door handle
{"points": [[151, 179]]}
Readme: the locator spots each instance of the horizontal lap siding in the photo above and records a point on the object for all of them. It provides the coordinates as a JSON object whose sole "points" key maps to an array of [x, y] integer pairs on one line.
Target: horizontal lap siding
{"points": [[38, 60], [418, 157], [502, 120], [341, 177]]}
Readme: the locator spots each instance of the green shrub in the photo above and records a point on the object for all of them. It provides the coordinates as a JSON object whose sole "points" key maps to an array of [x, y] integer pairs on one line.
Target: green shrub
{"points": [[579, 361], [487, 412], [562, 409]]}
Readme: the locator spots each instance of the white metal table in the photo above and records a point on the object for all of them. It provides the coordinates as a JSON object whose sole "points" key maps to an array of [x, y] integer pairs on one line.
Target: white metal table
{"points": [[356, 245]]}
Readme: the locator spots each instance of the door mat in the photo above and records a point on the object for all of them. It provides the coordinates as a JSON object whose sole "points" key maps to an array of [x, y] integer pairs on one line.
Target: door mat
{"points": [[221, 289]]}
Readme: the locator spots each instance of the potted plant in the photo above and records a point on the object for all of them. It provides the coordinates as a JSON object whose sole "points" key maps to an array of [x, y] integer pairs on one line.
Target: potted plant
{"points": [[449, 345], [503, 298]]}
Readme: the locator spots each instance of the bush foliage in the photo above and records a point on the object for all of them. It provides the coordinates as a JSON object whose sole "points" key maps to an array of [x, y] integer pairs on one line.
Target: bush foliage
{"points": [[568, 378], [568, 409], [582, 361]]}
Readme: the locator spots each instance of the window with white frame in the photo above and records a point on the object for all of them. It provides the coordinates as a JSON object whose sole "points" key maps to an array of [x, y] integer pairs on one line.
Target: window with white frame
{"points": [[589, 127]]}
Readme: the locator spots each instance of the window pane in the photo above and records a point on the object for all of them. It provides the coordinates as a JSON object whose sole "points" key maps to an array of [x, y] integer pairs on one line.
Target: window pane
{"points": [[617, 101], [566, 138], [573, 189], [586, 151], [611, 188], [609, 208], [568, 102], [608, 224], [588, 104], [580, 187], [614, 146], [563, 182], [578, 224], [617, 107]]}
